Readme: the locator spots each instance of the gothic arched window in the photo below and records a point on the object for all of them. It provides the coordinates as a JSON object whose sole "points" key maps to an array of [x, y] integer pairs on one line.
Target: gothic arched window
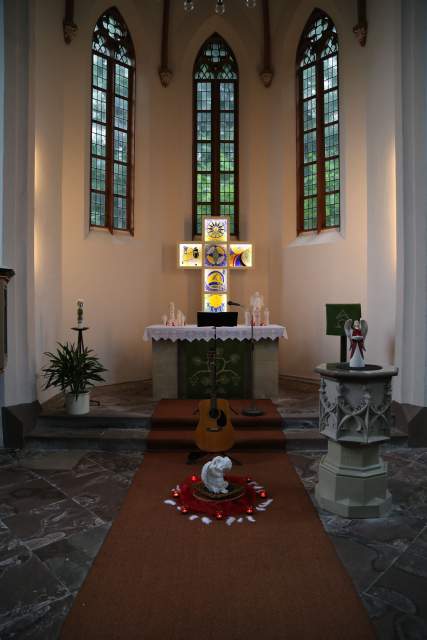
{"points": [[215, 134], [318, 172], [113, 71]]}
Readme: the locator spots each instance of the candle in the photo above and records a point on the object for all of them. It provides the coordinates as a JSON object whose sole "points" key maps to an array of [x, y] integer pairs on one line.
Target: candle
{"points": [[80, 304]]}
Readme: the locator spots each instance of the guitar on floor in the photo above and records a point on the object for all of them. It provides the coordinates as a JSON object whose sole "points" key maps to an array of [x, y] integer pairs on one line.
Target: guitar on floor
{"points": [[214, 431]]}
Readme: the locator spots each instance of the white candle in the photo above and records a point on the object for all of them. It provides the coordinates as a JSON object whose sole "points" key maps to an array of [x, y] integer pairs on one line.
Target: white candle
{"points": [[80, 304]]}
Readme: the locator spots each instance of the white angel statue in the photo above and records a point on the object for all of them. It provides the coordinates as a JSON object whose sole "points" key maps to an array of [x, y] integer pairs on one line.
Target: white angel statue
{"points": [[356, 332], [213, 474]]}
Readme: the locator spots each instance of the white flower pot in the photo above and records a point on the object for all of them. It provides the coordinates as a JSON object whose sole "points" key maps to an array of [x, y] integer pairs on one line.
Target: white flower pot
{"points": [[77, 406]]}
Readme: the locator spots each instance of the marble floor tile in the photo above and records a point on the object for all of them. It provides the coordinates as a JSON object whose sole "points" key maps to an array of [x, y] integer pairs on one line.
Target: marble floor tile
{"points": [[26, 586], [392, 624], [51, 460], [90, 540], [365, 562], [69, 564], [34, 493], [42, 526], [12, 550], [11, 476], [103, 495], [43, 622], [125, 464]]}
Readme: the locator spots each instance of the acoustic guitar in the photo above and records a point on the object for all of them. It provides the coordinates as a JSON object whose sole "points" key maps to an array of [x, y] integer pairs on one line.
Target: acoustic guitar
{"points": [[214, 431]]}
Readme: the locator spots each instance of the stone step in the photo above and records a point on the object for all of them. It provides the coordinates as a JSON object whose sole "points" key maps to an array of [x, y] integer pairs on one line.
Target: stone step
{"points": [[91, 438]]}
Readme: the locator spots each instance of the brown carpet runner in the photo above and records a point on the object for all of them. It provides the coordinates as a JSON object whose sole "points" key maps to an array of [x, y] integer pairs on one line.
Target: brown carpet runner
{"points": [[161, 576]]}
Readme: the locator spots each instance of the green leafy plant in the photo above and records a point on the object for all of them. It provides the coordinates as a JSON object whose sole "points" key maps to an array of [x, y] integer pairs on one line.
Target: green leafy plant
{"points": [[72, 370]]}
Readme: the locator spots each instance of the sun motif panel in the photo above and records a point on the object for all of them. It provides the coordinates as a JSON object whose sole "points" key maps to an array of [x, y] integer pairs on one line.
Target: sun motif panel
{"points": [[215, 230], [215, 302], [190, 254], [215, 255], [215, 280], [240, 255]]}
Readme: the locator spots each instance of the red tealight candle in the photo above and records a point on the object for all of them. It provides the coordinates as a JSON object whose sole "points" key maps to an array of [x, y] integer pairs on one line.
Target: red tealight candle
{"points": [[184, 509], [175, 493], [219, 515], [248, 479], [263, 493], [250, 510], [194, 478]]}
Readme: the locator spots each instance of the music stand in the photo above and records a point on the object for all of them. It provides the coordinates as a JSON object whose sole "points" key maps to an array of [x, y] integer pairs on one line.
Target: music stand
{"points": [[217, 319]]}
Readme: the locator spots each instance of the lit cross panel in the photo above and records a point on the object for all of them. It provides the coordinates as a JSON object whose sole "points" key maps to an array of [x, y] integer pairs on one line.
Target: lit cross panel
{"points": [[214, 256]]}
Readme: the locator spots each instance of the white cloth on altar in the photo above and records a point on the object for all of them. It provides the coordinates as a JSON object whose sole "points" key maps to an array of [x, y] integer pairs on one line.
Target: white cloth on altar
{"points": [[193, 332]]}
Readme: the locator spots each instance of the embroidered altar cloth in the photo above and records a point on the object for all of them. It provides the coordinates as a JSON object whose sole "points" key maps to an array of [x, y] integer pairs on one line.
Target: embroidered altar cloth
{"points": [[193, 332]]}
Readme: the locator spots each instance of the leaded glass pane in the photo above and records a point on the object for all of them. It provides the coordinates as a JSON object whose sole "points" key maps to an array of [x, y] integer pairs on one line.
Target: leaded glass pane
{"points": [[216, 61], [332, 203], [226, 187], [310, 214], [121, 108], [111, 37], [122, 80], [120, 179], [119, 217], [99, 105], [99, 139], [308, 57], [204, 187], [204, 156], [309, 114], [227, 125], [227, 210], [204, 96], [204, 126], [309, 147], [309, 82], [97, 209], [330, 105], [120, 145], [226, 96], [99, 72], [330, 72], [332, 174], [98, 174], [331, 140], [226, 162], [310, 180]]}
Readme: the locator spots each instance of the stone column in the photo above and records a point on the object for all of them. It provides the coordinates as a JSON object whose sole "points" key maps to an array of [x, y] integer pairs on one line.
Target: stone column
{"points": [[355, 416]]}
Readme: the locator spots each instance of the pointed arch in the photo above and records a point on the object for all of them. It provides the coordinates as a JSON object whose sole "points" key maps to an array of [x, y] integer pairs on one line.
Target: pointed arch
{"points": [[215, 134], [318, 164], [112, 126]]}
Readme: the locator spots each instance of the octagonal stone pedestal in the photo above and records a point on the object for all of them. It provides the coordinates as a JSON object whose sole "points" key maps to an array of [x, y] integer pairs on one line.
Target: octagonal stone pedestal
{"points": [[355, 416]]}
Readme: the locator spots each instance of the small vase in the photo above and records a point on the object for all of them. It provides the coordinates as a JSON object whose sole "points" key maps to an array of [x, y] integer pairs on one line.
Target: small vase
{"points": [[77, 406]]}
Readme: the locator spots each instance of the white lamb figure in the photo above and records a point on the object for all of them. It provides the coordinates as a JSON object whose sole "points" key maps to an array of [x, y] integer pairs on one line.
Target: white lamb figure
{"points": [[213, 474]]}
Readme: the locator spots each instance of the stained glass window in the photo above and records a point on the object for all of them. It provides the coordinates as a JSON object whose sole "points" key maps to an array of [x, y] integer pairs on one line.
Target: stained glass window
{"points": [[113, 69], [215, 187], [318, 125]]}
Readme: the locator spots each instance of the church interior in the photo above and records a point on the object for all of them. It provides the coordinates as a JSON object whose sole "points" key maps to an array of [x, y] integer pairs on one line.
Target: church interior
{"points": [[213, 336]]}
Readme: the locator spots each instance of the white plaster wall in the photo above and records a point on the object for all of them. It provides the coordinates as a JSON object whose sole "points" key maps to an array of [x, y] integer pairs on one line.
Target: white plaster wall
{"points": [[127, 282], [329, 267]]}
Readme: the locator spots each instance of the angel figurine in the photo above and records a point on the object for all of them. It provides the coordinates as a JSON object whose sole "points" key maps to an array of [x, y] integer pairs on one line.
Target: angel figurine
{"points": [[356, 333]]}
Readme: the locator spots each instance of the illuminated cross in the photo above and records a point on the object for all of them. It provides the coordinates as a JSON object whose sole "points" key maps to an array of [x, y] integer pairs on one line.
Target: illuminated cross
{"points": [[215, 255]]}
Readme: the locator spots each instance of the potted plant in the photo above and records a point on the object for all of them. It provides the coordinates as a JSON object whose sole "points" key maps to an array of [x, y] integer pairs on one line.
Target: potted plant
{"points": [[74, 371]]}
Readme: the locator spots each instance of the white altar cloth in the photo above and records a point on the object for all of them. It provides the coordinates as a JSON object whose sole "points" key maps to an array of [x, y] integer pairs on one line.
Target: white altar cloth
{"points": [[193, 332]]}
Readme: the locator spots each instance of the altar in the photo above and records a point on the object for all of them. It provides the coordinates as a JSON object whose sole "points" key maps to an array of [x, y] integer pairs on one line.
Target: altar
{"points": [[180, 360]]}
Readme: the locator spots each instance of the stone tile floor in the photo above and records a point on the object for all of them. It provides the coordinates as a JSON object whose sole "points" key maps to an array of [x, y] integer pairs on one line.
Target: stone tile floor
{"points": [[53, 522]]}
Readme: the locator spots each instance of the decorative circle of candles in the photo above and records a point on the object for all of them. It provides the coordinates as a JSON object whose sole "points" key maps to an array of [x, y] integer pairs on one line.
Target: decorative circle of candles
{"points": [[219, 515], [263, 493], [184, 509], [249, 509]]}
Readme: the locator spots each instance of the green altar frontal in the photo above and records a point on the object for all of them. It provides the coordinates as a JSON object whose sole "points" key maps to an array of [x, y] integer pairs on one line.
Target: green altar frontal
{"points": [[232, 369]]}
